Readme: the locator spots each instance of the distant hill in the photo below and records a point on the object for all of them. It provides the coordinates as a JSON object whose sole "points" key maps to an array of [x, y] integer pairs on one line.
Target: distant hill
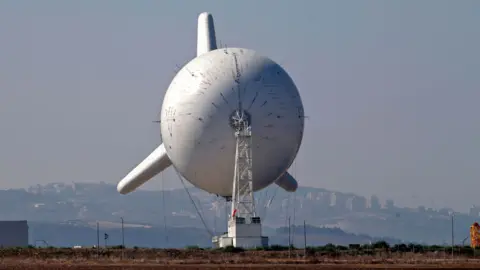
{"points": [[68, 235], [78, 204]]}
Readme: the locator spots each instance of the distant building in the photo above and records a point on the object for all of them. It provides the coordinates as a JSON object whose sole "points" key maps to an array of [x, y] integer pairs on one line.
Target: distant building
{"points": [[421, 209], [445, 211], [333, 199], [338, 200], [13, 233], [389, 204], [359, 203], [349, 204], [323, 197], [474, 211], [373, 203], [356, 203]]}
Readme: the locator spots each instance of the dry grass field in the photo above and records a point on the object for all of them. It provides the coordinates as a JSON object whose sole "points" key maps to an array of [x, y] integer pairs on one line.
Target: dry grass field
{"points": [[56, 258]]}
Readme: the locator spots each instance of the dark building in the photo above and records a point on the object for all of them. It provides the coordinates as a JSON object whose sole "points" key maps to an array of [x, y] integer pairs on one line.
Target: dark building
{"points": [[13, 233]]}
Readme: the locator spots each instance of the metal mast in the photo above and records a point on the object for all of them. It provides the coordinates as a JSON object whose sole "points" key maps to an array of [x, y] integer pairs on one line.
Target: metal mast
{"points": [[243, 204], [244, 226]]}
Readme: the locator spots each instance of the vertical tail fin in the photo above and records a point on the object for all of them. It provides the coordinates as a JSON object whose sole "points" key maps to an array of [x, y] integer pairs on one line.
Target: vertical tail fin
{"points": [[206, 40]]}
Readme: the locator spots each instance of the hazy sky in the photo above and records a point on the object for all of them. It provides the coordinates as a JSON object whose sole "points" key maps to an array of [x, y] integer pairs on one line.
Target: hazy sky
{"points": [[391, 89]]}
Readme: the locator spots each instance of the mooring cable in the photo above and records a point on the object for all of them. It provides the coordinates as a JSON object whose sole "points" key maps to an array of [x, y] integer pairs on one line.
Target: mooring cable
{"points": [[194, 204]]}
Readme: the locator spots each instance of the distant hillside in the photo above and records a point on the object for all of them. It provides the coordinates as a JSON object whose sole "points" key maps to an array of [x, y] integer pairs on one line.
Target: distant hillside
{"points": [[68, 235], [80, 203]]}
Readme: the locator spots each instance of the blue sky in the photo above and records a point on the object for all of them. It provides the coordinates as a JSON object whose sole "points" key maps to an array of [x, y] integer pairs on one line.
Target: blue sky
{"points": [[391, 89]]}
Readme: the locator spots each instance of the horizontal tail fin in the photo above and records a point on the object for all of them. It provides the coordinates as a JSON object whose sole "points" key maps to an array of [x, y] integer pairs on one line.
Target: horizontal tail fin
{"points": [[287, 182], [156, 162]]}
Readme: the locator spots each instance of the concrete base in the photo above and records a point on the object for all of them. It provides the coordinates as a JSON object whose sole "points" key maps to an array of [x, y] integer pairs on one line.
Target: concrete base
{"points": [[223, 241], [241, 234]]}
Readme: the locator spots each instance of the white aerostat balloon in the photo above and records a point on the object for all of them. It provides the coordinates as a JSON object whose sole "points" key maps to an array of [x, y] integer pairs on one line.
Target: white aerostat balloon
{"points": [[196, 119]]}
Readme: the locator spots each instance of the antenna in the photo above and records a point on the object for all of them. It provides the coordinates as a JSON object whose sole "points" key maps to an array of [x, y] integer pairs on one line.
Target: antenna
{"points": [[237, 81]]}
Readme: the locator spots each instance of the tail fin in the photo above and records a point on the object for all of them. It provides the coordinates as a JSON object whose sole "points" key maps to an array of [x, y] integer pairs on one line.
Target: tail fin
{"points": [[156, 162], [287, 182], [206, 40]]}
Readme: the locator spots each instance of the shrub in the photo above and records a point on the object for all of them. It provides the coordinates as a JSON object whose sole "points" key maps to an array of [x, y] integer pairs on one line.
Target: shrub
{"points": [[381, 245], [193, 248], [233, 249], [278, 248]]}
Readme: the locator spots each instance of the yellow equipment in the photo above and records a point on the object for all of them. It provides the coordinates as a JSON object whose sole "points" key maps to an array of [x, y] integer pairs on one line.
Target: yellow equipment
{"points": [[475, 235]]}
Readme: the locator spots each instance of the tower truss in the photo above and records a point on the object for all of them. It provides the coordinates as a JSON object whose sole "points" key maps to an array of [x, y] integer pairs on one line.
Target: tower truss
{"points": [[243, 204]]}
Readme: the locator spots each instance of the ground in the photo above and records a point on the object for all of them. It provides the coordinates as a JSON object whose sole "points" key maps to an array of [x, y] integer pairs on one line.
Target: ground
{"points": [[209, 259]]}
